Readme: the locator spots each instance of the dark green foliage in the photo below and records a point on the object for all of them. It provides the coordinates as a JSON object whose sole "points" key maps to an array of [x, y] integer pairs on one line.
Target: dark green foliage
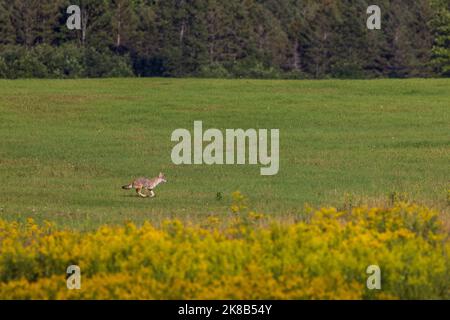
{"points": [[65, 61], [225, 39], [441, 26]]}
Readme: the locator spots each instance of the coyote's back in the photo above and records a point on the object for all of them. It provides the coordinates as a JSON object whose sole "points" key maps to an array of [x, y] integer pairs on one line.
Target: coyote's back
{"points": [[145, 184]]}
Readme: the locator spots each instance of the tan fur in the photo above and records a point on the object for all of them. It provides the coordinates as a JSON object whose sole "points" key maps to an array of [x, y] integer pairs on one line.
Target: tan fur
{"points": [[143, 183]]}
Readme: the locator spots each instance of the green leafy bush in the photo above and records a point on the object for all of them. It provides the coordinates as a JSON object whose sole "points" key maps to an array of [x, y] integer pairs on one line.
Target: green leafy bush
{"points": [[65, 61]]}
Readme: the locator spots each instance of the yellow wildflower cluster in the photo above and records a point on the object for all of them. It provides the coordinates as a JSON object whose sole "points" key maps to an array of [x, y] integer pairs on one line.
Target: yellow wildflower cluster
{"points": [[324, 255]]}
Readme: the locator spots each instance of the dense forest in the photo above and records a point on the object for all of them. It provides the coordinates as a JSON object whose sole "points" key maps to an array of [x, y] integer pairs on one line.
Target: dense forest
{"points": [[225, 38]]}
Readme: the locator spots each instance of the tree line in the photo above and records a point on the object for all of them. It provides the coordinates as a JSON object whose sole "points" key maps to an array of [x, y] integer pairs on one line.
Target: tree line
{"points": [[225, 38]]}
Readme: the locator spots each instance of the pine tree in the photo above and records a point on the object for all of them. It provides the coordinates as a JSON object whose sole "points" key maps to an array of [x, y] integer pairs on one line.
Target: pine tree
{"points": [[24, 21], [96, 24], [124, 22], [350, 53], [7, 34], [268, 36], [318, 36], [441, 30], [227, 32], [293, 16], [408, 39], [145, 44], [47, 21]]}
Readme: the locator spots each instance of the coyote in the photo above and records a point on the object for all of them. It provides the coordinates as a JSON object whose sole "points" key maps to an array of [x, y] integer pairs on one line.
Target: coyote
{"points": [[146, 184]]}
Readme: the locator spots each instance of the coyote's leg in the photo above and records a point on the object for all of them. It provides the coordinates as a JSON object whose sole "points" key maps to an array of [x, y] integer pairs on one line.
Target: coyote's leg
{"points": [[152, 194], [140, 194]]}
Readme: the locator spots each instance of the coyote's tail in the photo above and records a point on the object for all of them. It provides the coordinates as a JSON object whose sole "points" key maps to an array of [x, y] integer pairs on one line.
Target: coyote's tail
{"points": [[128, 186]]}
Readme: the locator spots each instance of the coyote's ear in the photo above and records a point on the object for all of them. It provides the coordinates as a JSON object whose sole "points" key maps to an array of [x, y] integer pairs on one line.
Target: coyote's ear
{"points": [[160, 174]]}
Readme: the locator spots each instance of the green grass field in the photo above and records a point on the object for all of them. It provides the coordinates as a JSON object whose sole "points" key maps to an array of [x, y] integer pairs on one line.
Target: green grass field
{"points": [[67, 146]]}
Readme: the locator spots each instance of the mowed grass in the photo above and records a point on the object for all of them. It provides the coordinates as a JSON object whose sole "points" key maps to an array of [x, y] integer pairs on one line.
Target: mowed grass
{"points": [[67, 146]]}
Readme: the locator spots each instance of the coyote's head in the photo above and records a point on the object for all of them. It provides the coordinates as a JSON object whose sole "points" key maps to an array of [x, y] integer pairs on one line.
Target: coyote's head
{"points": [[162, 177]]}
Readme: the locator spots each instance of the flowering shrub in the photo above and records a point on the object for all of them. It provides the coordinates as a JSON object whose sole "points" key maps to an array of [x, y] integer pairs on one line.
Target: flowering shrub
{"points": [[323, 256]]}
